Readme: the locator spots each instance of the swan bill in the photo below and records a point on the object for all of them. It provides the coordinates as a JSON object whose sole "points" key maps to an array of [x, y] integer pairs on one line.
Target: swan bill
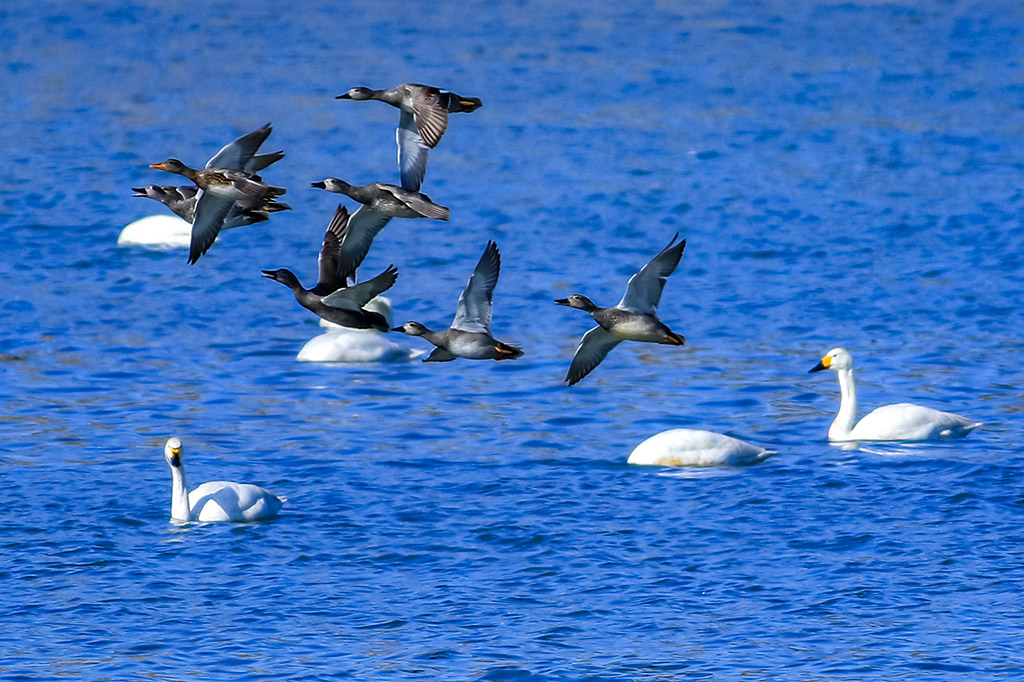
{"points": [[825, 363]]}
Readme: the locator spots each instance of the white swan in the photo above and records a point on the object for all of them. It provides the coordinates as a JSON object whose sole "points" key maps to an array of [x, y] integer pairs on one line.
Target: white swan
{"points": [[901, 421], [696, 448], [157, 232], [216, 500], [344, 344]]}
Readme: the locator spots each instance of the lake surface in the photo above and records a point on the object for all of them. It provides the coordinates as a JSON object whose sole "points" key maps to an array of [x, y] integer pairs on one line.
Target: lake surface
{"points": [[845, 174]]}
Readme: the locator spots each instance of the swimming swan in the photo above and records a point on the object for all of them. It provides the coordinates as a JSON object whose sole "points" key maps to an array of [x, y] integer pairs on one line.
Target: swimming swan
{"points": [[696, 448], [216, 500], [901, 421]]}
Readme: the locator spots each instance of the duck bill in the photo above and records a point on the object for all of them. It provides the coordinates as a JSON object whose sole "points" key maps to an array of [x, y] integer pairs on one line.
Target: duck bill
{"points": [[158, 166], [562, 301], [817, 368], [318, 185], [398, 329], [345, 96], [269, 274], [139, 191]]}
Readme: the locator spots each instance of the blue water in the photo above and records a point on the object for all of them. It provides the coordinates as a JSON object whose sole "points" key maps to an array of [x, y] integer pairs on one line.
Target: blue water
{"points": [[845, 174]]}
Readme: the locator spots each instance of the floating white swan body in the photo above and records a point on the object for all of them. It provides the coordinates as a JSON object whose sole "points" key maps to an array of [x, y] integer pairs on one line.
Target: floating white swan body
{"points": [[696, 448], [354, 345], [216, 500], [898, 422], [157, 231]]}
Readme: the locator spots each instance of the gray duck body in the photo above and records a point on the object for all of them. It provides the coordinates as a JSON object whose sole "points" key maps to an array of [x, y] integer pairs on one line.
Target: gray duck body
{"points": [[456, 343], [388, 200], [183, 200], [313, 300]]}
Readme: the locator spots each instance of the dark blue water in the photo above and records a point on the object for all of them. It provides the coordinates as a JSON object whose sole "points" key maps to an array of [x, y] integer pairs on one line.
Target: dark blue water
{"points": [[845, 174]]}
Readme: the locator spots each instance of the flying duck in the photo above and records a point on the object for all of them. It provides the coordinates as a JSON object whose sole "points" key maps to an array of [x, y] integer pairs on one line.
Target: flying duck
{"points": [[423, 121], [331, 299], [632, 319], [230, 188], [469, 336]]}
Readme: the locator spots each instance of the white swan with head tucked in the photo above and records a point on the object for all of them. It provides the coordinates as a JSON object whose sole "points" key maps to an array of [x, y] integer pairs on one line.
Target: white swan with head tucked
{"points": [[901, 421], [696, 448], [216, 500]]}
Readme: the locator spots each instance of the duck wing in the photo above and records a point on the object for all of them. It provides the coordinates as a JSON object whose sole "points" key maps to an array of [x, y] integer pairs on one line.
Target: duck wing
{"points": [[643, 291], [330, 278], [418, 202], [211, 211], [252, 186], [181, 200], [431, 118], [412, 153], [239, 153], [261, 161], [593, 348], [364, 225], [356, 296], [474, 311], [238, 217]]}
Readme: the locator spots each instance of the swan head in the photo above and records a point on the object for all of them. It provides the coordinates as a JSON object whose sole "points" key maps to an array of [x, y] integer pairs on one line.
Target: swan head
{"points": [[172, 452], [359, 93], [577, 301], [836, 359], [170, 165], [412, 329], [332, 185]]}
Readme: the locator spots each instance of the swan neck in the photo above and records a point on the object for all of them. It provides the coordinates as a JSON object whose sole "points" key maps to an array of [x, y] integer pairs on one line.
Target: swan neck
{"points": [[179, 494], [842, 425]]}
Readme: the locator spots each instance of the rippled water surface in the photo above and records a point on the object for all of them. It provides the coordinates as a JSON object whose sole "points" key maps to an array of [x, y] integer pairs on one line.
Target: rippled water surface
{"points": [[846, 174]]}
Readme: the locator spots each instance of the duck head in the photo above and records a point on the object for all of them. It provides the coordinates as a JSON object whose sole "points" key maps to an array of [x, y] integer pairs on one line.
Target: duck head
{"points": [[171, 166], [150, 191], [358, 93], [577, 301], [412, 329], [284, 276], [332, 185]]}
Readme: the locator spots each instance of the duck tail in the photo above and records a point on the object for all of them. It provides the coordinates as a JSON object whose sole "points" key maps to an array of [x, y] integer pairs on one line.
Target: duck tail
{"points": [[507, 351], [676, 339]]}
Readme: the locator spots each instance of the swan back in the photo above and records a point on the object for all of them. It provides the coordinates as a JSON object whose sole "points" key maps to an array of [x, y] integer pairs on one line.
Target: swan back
{"points": [[694, 447], [226, 501], [353, 345], [158, 232], [905, 421]]}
